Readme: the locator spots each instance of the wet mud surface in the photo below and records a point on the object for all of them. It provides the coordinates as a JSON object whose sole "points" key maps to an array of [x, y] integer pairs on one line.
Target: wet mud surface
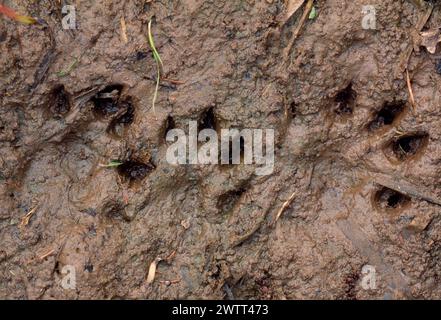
{"points": [[362, 165]]}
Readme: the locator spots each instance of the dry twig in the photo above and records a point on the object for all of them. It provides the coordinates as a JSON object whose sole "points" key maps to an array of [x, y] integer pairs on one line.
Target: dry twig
{"points": [[285, 205], [409, 88], [296, 32], [47, 254]]}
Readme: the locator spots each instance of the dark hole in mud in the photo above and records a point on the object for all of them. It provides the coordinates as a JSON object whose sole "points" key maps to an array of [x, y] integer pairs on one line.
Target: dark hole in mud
{"points": [[126, 116], [106, 101], [409, 145], [345, 100], [60, 101], [216, 272], [227, 200], [141, 55], [387, 115], [293, 109], [57, 267], [88, 267], [389, 199], [207, 120], [169, 125], [134, 170]]}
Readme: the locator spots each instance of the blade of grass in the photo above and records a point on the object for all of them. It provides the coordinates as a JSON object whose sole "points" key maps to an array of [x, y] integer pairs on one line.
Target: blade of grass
{"points": [[312, 14], [15, 16], [158, 61], [68, 70], [111, 164], [156, 55]]}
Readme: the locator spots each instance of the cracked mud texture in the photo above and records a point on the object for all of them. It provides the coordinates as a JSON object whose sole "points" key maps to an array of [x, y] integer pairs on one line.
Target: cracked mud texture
{"points": [[364, 166]]}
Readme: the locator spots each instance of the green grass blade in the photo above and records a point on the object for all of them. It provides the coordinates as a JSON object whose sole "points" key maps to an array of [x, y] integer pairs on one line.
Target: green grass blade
{"points": [[156, 55], [68, 70], [158, 61], [112, 163]]}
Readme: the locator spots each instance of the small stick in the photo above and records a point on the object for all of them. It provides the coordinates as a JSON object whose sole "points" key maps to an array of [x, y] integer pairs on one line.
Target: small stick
{"points": [[288, 202], [170, 256], [409, 88], [296, 32], [285, 205], [47, 254], [123, 30], [237, 241], [69, 69], [172, 81]]}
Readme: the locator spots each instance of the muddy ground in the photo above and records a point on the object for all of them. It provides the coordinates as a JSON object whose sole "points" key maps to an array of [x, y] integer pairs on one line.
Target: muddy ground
{"points": [[361, 164]]}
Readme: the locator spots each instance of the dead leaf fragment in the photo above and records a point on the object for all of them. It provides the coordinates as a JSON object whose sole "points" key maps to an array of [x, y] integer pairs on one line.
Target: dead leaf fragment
{"points": [[430, 39], [291, 7], [296, 32], [27, 217], [152, 270]]}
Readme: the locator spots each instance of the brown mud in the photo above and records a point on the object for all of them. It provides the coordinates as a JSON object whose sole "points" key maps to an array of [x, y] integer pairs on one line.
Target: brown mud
{"points": [[364, 166]]}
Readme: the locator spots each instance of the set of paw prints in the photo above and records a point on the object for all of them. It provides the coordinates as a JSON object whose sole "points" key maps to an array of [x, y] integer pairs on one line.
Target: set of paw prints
{"points": [[118, 110], [403, 147]]}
